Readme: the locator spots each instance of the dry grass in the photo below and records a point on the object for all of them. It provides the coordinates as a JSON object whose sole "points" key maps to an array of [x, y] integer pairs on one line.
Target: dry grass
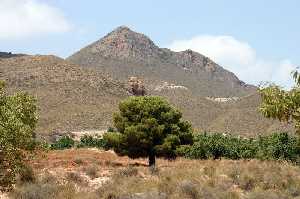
{"points": [[125, 178]]}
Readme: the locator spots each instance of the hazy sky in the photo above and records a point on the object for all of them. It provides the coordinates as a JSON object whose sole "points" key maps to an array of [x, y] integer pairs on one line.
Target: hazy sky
{"points": [[258, 40]]}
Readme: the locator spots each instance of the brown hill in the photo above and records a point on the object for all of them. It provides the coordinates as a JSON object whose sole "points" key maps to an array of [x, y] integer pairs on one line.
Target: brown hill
{"points": [[186, 78], [124, 53], [83, 96], [74, 98], [69, 97]]}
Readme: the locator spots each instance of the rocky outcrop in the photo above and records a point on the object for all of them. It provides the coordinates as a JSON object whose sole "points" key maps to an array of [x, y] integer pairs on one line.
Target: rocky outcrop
{"points": [[136, 87]]}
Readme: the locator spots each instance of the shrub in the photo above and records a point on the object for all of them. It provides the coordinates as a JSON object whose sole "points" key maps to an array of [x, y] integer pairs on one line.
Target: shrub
{"points": [[26, 175], [74, 177], [128, 172], [90, 141], [111, 129], [78, 161], [91, 171], [189, 189], [277, 146], [63, 143]]}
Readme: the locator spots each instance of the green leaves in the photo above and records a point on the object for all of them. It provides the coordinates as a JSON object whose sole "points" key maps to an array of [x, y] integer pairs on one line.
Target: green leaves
{"points": [[148, 126], [63, 143], [281, 104], [277, 146], [17, 123]]}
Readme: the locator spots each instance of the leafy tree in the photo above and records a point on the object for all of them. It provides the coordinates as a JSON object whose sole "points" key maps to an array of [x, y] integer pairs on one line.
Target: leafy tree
{"points": [[17, 123], [148, 127], [281, 104]]}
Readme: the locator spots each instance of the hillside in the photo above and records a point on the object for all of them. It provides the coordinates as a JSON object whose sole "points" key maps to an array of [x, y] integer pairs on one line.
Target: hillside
{"points": [[69, 97], [124, 53], [186, 78], [83, 96]]}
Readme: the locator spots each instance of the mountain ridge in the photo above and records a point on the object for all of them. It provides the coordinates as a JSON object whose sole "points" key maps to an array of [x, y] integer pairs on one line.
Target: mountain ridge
{"points": [[81, 93], [140, 55]]}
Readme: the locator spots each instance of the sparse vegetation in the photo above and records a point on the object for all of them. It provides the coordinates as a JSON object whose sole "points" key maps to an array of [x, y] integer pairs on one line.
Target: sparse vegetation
{"points": [[182, 178], [26, 175], [74, 177], [91, 171], [212, 179], [148, 127]]}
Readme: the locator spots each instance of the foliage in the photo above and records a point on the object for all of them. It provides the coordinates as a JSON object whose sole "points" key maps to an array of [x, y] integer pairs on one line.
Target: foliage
{"points": [[148, 127], [110, 129], [218, 145], [281, 104], [17, 123], [277, 146], [90, 141], [64, 142]]}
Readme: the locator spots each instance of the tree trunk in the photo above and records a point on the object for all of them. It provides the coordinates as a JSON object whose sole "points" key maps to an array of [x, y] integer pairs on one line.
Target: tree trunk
{"points": [[151, 160]]}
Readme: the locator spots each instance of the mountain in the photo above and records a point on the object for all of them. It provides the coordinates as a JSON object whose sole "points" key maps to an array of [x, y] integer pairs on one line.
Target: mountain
{"points": [[124, 53], [82, 92], [212, 98], [69, 97], [9, 55]]}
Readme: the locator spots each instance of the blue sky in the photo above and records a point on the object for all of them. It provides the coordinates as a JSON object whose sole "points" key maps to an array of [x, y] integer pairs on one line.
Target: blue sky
{"points": [[258, 39]]}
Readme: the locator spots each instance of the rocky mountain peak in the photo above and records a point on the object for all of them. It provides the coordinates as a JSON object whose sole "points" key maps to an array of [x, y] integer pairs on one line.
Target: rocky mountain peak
{"points": [[125, 44], [124, 53]]}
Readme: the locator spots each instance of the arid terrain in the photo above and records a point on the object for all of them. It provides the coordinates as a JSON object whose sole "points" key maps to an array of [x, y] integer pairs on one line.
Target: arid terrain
{"points": [[81, 92], [92, 173]]}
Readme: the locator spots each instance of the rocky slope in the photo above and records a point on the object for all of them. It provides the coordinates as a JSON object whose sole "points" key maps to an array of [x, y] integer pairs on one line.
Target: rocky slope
{"points": [[69, 97], [75, 98], [124, 53]]}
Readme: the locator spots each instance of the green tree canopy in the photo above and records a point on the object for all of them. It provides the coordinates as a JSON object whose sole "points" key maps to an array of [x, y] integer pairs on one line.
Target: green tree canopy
{"points": [[281, 104], [148, 127], [17, 123]]}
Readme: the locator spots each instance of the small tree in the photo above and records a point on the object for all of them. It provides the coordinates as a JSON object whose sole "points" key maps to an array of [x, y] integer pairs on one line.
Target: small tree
{"points": [[281, 104], [17, 124], [148, 127]]}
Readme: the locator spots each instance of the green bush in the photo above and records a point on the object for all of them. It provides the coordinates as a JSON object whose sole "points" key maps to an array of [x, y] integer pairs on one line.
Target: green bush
{"points": [[278, 146], [275, 146], [63, 143], [90, 141], [87, 141]]}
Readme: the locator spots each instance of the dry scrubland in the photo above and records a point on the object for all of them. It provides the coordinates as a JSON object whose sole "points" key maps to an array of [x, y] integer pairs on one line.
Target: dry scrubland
{"points": [[91, 173]]}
